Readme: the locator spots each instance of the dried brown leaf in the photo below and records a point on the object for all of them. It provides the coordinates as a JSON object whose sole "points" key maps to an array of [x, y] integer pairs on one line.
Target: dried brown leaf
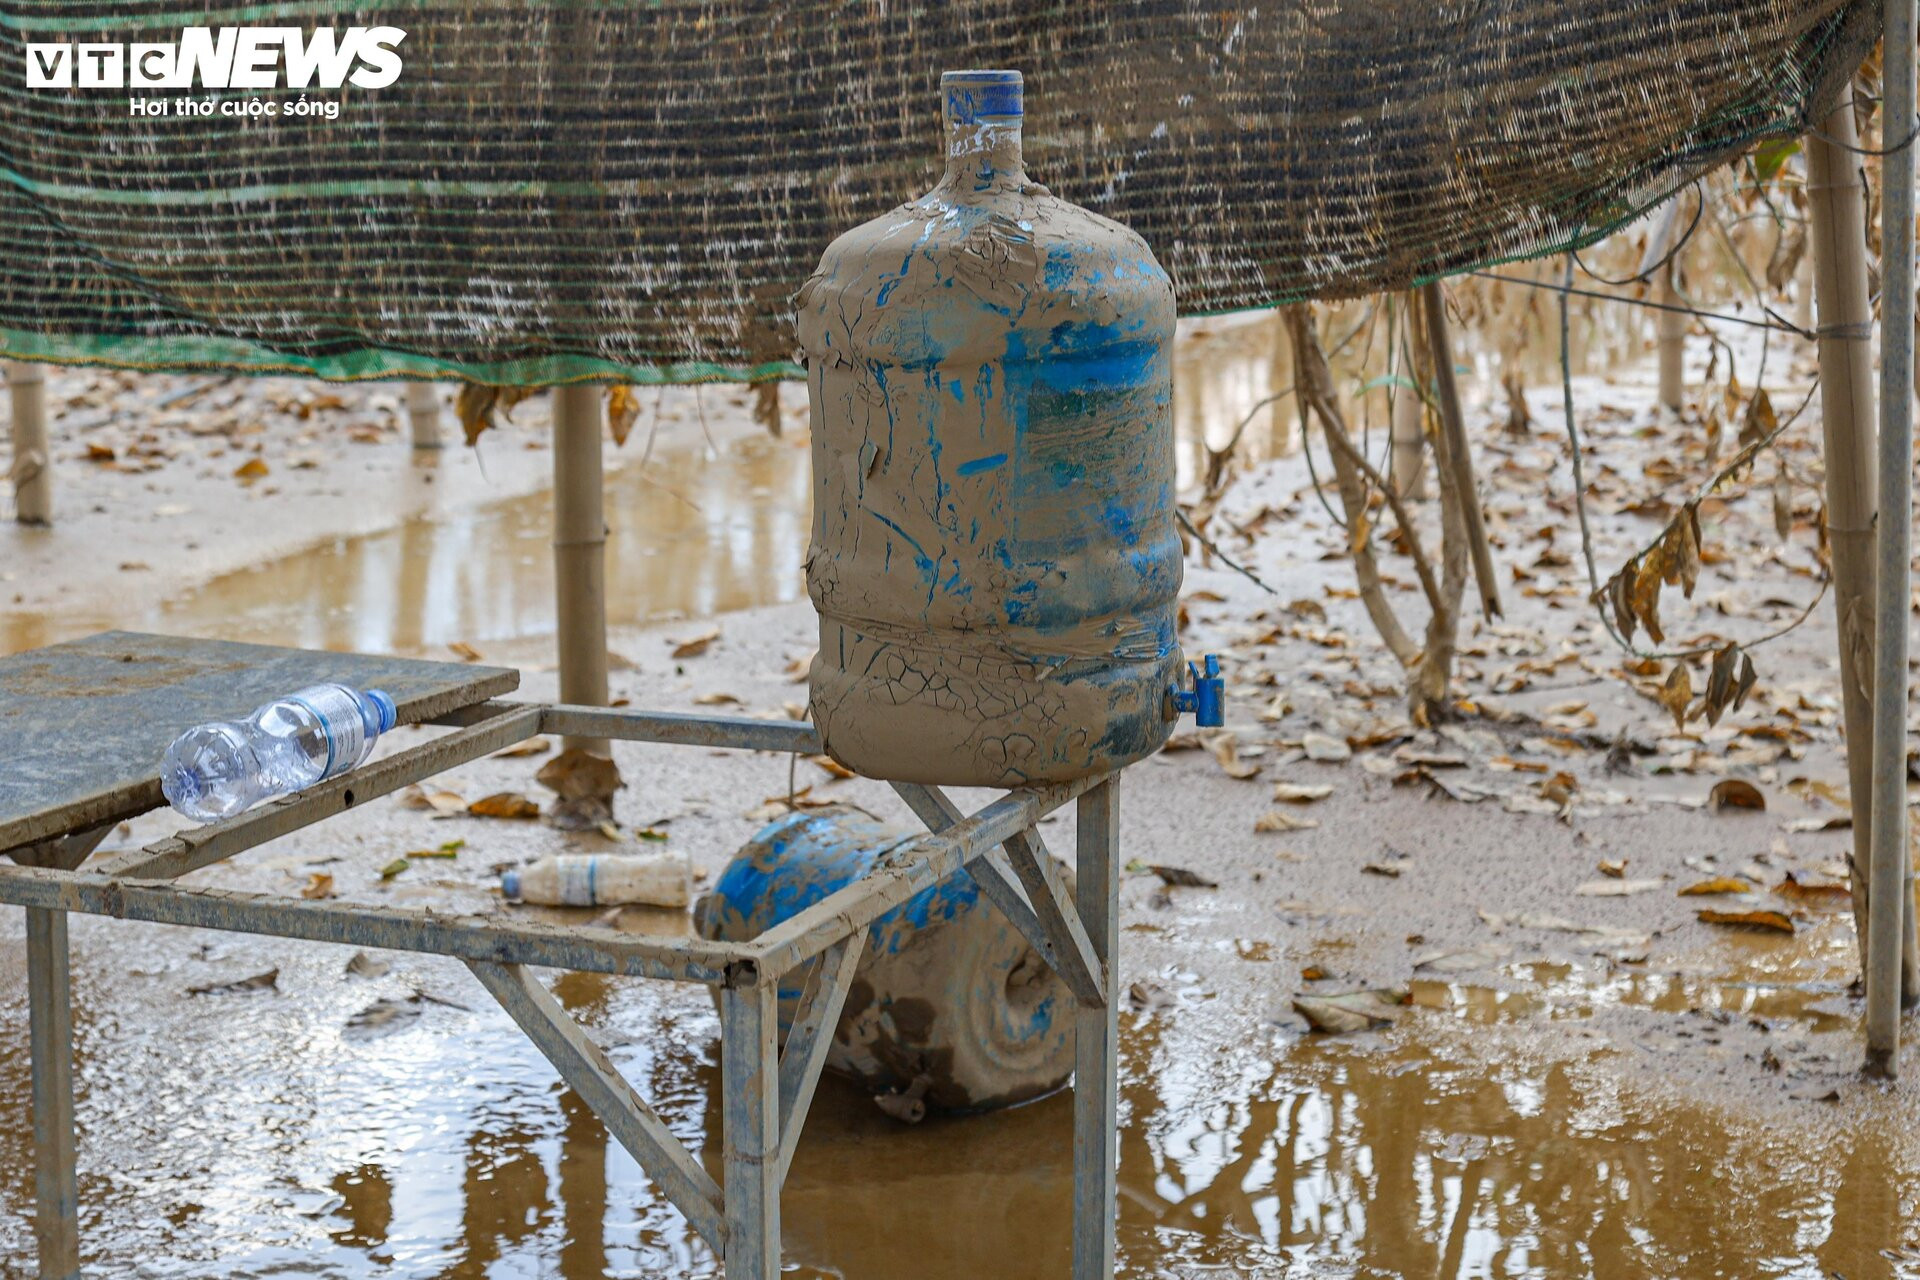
{"points": [[623, 407], [1352, 1011], [1735, 793], [1279, 820], [504, 804], [1759, 919], [697, 645], [1718, 884], [575, 774], [1676, 695], [1813, 892]]}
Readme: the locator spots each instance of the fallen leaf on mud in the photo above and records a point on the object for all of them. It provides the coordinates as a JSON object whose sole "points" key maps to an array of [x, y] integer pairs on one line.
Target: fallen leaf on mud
{"points": [[1777, 920], [1615, 867], [1278, 820], [319, 885], [463, 651], [97, 452], [1313, 973], [1735, 793], [1181, 878], [1353, 1011], [574, 774], [1298, 793], [1326, 749], [394, 868], [1523, 802], [383, 1016], [441, 802], [1616, 888], [1837, 822], [268, 981], [446, 849], [531, 747], [1227, 752], [1430, 759], [250, 470], [716, 700], [696, 646], [1147, 997], [1391, 870], [1719, 884], [832, 766], [504, 804], [1461, 959], [362, 965], [1813, 893], [1559, 788]]}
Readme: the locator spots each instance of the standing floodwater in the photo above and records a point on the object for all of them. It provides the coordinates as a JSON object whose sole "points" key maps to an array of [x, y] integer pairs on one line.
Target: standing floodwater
{"points": [[994, 557], [214, 771]]}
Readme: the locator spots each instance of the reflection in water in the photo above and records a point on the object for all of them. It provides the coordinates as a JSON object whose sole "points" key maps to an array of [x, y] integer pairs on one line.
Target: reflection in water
{"points": [[694, 534], [687, 536], [244, 1137]]}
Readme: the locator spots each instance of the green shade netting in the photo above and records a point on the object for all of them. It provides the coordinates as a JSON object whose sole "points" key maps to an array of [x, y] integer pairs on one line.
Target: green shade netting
{"points": [[554, 191]]}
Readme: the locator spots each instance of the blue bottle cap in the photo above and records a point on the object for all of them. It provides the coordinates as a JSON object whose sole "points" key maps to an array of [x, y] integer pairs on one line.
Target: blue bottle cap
{"points": [[510, 883], [383, 702], [976, 96]]}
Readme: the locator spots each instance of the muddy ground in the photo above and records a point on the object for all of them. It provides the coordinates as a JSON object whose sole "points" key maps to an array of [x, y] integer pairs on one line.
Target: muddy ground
{"points": [[1586, 1079]]}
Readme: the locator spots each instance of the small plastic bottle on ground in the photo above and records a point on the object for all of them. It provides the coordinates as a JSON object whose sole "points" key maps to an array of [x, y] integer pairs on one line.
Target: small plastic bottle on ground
{"points": [[603, 880], [217, 770]]}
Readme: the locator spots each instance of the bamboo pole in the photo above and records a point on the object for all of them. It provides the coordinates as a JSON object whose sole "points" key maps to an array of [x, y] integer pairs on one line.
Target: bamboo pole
{"points": [[1890, 910], [32, 469], [579, 552], [1669, 327], [1670, 330], [1433, 304], [1409, 430], [423, 413], [1837, 228]]}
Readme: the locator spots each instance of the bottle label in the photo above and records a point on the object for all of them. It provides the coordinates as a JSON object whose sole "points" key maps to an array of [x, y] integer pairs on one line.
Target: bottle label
{"points": [[338, 712], [578, 880]]}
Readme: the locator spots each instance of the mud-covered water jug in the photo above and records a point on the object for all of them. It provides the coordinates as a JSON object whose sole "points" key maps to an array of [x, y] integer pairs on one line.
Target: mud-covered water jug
{"points": [[994, 556], [950, 1007]]}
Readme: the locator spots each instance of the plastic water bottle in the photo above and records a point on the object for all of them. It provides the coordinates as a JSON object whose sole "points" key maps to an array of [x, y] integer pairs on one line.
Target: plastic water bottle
{"points": [[602, 880], [217, 770]]}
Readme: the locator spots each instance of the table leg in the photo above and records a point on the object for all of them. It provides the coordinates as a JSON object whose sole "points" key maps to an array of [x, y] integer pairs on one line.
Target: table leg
{"points": [[50, 1018], [750, 1129], [1096, 1135]]}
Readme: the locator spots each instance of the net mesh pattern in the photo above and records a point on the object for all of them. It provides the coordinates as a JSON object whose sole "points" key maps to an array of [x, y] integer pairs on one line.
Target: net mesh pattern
{"points": [[560, 189]]}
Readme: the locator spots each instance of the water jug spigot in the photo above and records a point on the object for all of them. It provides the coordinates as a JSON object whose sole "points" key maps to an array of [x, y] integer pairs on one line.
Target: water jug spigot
{"points": [[1207, 700]]}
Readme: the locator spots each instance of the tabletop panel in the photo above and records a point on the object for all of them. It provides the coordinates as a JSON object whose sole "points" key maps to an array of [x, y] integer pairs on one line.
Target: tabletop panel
{"points": [[83, 724]]}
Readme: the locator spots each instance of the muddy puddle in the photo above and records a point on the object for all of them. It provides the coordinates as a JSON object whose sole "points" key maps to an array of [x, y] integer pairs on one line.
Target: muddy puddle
{"points": [[718, 521], [397, 1125]]}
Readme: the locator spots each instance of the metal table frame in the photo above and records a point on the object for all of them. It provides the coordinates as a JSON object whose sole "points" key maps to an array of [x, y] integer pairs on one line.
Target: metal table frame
{"points": [[766, 1086]]}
